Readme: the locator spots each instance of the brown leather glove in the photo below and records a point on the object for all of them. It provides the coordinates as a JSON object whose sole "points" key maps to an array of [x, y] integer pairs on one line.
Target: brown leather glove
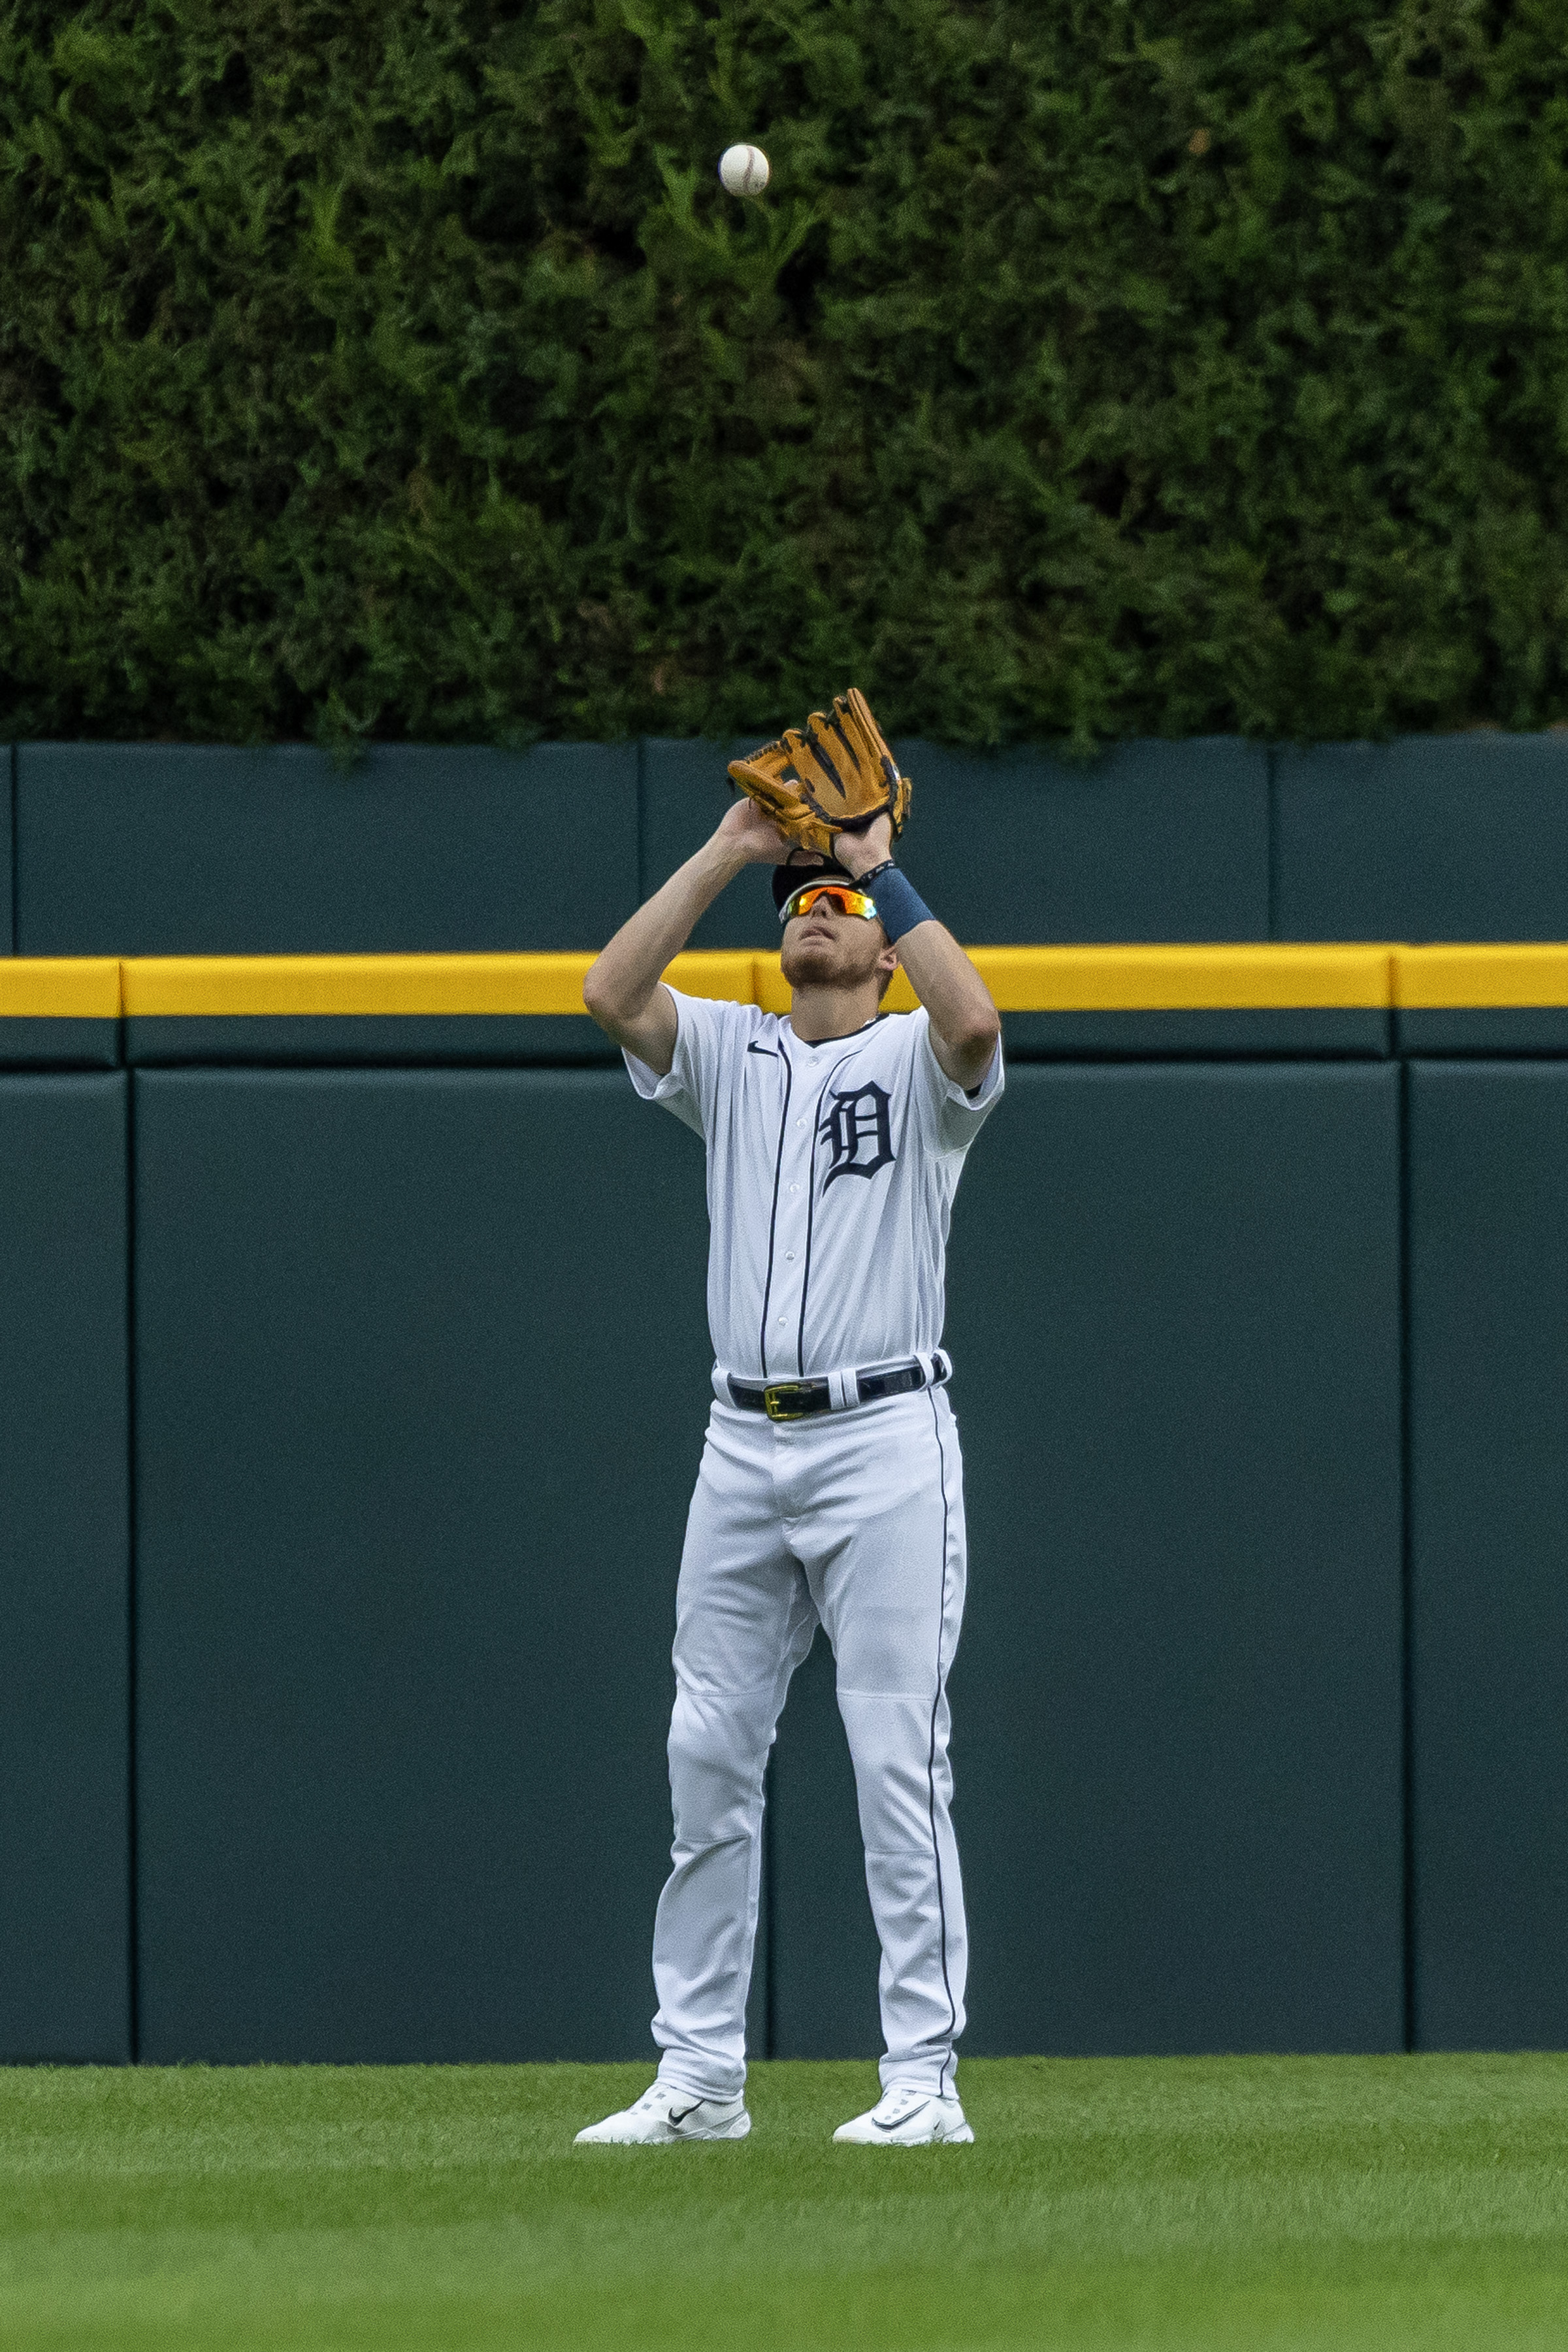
{"points": [[833, 775]]}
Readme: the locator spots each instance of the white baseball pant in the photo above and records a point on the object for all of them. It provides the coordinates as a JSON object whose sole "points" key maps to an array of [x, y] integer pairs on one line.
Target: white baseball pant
{"points": [[854, 1520]]}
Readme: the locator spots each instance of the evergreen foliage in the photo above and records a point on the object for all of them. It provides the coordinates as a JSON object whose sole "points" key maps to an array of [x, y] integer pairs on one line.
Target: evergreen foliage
{"points": [[398, 368]]}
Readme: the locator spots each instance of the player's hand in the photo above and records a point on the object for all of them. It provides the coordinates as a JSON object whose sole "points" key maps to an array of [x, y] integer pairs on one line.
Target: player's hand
{"points": [[858, 852], [746, 832]]}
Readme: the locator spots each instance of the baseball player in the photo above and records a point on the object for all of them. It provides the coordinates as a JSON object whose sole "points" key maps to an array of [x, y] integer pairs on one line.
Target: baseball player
{"points": [[831, 1485]]}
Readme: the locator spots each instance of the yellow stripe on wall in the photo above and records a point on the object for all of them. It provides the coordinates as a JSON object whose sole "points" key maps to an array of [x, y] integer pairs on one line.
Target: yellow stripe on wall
{"points": [[1472, 977], [60, 988], [1183, 979], [262, 986], [1022, 980], [1143, 979]]}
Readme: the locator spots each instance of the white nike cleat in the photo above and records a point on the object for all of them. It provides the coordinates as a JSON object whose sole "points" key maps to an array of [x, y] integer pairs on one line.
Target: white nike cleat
{"points": [[664, 2115], [906, 2117]]}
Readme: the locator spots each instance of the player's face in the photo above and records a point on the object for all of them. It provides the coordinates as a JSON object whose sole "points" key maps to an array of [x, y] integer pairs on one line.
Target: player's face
{"points": [[825, 948]]}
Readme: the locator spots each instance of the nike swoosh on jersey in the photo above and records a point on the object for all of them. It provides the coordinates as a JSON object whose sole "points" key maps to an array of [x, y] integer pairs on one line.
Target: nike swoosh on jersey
{"points": [[764, 1049]]}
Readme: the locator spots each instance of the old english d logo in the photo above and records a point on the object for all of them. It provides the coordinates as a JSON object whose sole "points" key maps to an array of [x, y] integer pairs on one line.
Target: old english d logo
{"points": [[860, 1133]]}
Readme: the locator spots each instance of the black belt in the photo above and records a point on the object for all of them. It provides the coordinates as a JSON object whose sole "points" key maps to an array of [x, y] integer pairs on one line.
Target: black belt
{"points": [[798, 1400]]}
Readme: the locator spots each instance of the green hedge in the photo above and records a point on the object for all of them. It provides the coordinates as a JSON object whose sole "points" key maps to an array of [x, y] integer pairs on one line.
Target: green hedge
{"points": [[397, 368]]}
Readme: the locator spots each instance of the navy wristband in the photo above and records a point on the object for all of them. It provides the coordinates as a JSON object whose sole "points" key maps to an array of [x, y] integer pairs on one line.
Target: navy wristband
{"points": [[900, 905]]}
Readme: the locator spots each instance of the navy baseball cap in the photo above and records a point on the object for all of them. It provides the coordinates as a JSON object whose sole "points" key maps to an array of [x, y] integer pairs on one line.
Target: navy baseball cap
{"points": [[812, 869]]}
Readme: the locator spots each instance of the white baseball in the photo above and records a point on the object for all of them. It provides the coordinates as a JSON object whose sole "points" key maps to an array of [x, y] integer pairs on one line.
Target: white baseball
{"points": [[744, 170]]}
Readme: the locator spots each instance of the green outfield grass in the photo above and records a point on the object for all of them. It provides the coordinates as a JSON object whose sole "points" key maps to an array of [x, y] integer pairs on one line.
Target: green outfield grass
{"points": [[1244, 2202]]}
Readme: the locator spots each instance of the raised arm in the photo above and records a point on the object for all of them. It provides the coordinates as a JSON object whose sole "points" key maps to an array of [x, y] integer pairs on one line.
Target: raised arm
{"points": [[964, 1023], [622, 990]]}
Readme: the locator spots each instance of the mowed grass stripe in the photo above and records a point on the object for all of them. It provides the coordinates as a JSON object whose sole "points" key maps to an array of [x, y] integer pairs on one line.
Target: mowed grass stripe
{"points": [[1257, 2202]]}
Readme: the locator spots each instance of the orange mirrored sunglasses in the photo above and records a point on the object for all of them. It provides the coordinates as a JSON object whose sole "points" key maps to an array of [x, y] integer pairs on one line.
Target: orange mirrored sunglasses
{"points": [[847, 901]]}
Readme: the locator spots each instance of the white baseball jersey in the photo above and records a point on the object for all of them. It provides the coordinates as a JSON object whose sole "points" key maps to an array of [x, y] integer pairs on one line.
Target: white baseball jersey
{"points": [[831, 1172]]}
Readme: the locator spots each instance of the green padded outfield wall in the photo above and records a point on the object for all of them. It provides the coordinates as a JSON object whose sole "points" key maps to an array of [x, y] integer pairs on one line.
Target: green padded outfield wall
{"points": [[421, 1381], [1185, 1651], [7, 869], [1174, 1305], [1152, 841], [420, 1376], [420, 1361], [1436, 837], [1488, 1322], [65, 1851], [182, 849], [159, 849]]}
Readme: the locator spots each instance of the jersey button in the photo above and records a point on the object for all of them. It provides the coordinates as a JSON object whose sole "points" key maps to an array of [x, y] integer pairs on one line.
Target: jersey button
{"points": [[789, 1257]]}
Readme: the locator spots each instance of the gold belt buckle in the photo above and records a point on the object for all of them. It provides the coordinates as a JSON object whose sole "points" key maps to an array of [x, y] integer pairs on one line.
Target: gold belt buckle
{"points": [[776, 1396]]}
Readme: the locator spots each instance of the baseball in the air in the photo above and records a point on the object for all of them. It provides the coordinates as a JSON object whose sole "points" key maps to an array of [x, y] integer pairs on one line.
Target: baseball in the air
{"points": [[744, 170]]}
